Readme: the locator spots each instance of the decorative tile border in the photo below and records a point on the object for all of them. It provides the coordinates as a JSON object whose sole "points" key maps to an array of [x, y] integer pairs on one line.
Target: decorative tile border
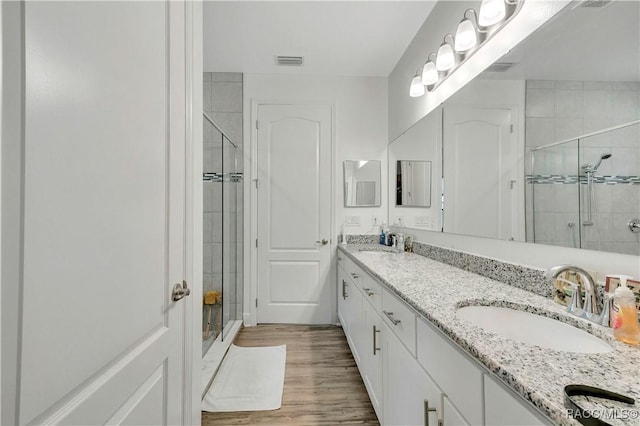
{"points": [[529, 279], [222, 177], [573, 179]]}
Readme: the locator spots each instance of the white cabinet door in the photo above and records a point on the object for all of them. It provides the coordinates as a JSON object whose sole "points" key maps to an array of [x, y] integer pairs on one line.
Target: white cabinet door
{"points": [[408, 390], [356, 322], [371, 355], [451, 416], [504, 409], [343, 295], [454, 372]]}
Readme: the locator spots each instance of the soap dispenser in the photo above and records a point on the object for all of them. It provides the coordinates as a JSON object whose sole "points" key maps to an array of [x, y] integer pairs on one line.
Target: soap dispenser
{"points": [[625, 314]]}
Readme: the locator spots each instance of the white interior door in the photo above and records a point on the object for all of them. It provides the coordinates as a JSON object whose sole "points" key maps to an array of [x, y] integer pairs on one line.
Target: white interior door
{"points": [[479, 187], [294, 208], [100, 340]]}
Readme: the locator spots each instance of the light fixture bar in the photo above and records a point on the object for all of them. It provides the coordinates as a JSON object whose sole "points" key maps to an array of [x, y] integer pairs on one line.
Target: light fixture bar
{"points": [[473, 31]]}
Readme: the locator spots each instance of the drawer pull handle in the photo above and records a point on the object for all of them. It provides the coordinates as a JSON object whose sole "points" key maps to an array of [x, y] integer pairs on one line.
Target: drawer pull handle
{"points": [[391, 318], [355, 276], [339, 258], [375, 343], [344, 289], [428, 410], [368, 291]]}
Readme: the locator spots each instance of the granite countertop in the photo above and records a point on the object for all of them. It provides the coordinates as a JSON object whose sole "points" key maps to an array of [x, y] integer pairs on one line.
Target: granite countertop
{"points": [[436, 290]]}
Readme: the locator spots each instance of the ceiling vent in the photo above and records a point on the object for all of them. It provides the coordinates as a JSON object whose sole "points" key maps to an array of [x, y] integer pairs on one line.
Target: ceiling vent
{"points": [[499, 67], [290, 61], [594, 3]]}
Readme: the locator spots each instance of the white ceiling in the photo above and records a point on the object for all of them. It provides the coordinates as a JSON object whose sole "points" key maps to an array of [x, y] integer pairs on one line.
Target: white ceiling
{"points": [[357, 38]]}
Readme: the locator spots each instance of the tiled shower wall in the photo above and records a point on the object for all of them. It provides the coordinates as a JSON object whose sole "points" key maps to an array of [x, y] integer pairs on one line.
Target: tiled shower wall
{"points": [[223, 103], [561, 110]]}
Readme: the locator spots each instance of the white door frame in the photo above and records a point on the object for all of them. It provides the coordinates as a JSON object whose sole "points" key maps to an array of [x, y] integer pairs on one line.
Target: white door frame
{"points": [[11, 107], [251, 200], [194, 212]]}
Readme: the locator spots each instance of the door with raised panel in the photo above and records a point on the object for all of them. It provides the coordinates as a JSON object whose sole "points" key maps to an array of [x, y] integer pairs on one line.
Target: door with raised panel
{"points": [[481, 194], [103, 216], [294, 211]]}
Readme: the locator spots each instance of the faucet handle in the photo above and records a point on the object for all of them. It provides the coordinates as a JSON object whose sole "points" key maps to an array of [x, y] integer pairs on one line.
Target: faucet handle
{"points": [[575, 305]]}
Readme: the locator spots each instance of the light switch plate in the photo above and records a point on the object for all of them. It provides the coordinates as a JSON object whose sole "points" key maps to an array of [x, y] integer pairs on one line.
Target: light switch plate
{"points": [[423, 221], [375, 221], [352, 220]]}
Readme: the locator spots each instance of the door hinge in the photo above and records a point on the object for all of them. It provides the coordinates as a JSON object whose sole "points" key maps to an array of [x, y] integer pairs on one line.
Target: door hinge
{"points": [[256, 181], [511, 128], [256, 243], [256, 303], [257, 124]]}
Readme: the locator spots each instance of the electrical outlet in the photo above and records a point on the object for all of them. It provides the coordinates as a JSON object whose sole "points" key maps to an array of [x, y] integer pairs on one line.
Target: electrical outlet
{"points": [[352, 220], [423, 221]]}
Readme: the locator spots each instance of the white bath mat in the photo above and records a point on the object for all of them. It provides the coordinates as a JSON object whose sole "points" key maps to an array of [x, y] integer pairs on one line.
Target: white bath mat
{"points": [[249, 379]]}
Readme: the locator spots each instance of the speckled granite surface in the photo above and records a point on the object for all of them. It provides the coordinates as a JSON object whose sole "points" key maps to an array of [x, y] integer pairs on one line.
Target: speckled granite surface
{"points": [[508, 273], [436, 290], [362, 239]]}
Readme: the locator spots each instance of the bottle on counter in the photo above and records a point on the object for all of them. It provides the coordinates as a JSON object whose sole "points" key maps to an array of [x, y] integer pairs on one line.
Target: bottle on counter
{"points": [[625, 314], [383, 239]]}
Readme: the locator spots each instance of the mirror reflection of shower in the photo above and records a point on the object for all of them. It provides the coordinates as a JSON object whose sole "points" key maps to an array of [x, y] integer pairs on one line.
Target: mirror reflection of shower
{"points": [[590, 170]]}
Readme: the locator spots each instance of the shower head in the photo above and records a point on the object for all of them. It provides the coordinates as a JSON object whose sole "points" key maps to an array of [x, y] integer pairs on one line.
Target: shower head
{"points": [[604, 156], [590, 168]]}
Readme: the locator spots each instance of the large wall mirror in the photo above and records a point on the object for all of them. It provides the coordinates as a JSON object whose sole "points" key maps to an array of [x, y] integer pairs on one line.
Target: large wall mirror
{"points": [[544, 146], [414, 167], [362, 183]]}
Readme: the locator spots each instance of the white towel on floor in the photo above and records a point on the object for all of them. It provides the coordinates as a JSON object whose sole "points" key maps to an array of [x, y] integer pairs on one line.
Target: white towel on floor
{"points": [[249, 379]]}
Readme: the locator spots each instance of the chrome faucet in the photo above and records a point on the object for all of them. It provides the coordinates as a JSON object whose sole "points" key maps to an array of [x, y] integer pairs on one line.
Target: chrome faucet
{"points": [[591, 309]]}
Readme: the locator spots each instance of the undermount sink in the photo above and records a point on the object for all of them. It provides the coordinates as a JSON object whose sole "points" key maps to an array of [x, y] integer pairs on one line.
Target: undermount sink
{"points": [[377, 252], [533, 329]]}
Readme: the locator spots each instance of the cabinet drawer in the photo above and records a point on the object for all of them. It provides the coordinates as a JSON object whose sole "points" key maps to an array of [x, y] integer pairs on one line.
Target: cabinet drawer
{"points": [[372, 291], [400, 319], [458, 377], [354, 272], [340, 259]]}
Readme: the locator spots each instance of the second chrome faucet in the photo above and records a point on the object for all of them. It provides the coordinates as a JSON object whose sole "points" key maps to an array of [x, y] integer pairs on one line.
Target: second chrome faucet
{"points": [[591, 306]]}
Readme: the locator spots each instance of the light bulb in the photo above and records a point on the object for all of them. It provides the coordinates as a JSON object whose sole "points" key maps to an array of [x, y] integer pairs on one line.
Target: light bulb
{"points": [[466, 36], [491, 12], [417, 88], [429, 73], [445, 60]]}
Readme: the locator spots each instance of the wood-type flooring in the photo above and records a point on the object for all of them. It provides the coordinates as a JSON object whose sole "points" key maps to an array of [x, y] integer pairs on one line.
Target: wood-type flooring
{"points": [[322, 385]]}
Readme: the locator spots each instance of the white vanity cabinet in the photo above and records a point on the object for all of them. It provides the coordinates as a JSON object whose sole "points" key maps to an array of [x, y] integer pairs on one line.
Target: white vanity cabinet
{"points": [[413, 373], [503, 409], [409, 393], [459, 378]]}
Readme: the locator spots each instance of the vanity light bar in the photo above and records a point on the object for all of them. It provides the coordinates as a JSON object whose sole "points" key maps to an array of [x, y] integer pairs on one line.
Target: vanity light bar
{"points": [[473, 31]]}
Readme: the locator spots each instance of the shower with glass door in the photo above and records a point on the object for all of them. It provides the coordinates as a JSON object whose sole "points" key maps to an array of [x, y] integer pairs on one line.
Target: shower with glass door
{"points": [[585, 192], [222, 227]]}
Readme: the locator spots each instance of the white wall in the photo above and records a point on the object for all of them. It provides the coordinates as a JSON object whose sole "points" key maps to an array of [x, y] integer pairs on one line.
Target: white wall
{"points": [[360, 127]]}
